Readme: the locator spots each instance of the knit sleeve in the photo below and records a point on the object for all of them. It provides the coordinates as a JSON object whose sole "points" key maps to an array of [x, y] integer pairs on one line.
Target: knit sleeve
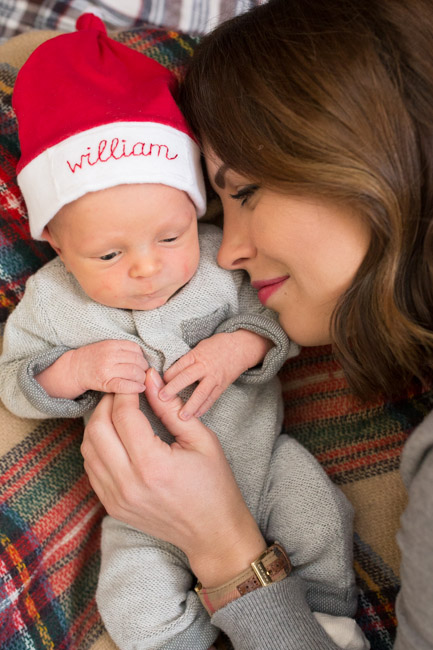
{"points": [[253, 316], [52, 406], [276, 617], [31, 344], [414, 601]]}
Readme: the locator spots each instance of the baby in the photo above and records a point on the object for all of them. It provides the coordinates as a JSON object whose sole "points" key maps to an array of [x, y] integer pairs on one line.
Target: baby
{"points": [[112, 180]]}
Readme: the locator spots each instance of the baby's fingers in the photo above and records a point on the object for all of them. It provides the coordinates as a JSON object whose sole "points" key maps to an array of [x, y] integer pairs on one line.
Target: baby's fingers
{"points": [[124, 386], [126, 378], [179, 366], [201, 400], [210, 401], [184, 378], [131, 357]]}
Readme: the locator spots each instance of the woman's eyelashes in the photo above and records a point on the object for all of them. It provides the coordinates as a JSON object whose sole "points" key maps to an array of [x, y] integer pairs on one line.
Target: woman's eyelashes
{"points": [[245, 193]]}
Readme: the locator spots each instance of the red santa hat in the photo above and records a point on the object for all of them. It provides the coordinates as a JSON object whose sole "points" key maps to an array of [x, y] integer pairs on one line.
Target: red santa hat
{"points": [[93, 113]]}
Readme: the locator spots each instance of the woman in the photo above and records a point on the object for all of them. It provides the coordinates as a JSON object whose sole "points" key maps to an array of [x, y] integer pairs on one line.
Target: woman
{"points": [[316, 122]]}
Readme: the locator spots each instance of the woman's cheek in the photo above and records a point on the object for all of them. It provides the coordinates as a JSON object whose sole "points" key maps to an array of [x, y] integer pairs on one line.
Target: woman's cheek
{"points": [[306, 319]]}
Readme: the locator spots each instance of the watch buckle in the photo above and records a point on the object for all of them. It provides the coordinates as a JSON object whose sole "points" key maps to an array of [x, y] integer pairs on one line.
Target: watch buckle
{"points": [[262, 574]]}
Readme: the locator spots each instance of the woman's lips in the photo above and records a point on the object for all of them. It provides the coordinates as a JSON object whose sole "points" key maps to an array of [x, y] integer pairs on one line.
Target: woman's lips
{"points": [[267, 287]]}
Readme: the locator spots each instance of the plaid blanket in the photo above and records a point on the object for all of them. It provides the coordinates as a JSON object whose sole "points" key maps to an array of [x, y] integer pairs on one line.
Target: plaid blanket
{"points": [[49, 516], [190, 16]]}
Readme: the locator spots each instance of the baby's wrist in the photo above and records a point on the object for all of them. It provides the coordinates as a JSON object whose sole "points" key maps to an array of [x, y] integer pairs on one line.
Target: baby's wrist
{"points": [[77, 374], [255, 347], [59, 379]]}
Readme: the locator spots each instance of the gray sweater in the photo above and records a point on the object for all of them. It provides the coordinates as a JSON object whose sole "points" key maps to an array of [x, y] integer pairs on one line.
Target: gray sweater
{"points": [[415, 538], [285, 489], [55, 315]]}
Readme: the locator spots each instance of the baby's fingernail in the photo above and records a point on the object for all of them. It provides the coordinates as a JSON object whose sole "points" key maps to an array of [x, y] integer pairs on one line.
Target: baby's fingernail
{"points": [[184, 416], [163, 395]]}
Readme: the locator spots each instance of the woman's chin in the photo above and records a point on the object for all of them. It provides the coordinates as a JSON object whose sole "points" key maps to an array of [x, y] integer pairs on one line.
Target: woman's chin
{"points": [[305, 334]]}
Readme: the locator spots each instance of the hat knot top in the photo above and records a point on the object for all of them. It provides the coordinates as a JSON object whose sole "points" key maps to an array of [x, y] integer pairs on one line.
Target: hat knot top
{"points": [[93, 113], [90, 21]]}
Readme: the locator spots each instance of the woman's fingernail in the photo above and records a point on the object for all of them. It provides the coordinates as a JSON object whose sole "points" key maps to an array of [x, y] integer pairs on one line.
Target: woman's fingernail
{"points": [[155, 377], [184, 416], [162, 395]]}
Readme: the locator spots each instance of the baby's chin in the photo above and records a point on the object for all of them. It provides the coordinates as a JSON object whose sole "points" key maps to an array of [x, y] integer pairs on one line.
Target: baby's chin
{"points": [[138, 303]]}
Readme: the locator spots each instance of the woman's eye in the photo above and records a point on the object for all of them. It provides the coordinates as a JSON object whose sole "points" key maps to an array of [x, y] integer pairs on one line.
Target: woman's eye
{"points": [[245, 193], [109, 256]]}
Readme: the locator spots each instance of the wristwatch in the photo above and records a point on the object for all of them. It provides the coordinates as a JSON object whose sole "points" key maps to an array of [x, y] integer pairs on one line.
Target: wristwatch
{"points": [[271, 566]]}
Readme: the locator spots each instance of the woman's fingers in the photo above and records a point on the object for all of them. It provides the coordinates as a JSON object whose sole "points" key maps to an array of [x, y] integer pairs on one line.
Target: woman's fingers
{"points": [[100, 445], [134, 429]]}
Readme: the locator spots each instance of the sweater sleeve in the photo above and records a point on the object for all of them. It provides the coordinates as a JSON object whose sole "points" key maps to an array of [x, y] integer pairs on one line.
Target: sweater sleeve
{"points": [[253, 316], [38, 397], [276, 617], [30, 345], [414, 602]]}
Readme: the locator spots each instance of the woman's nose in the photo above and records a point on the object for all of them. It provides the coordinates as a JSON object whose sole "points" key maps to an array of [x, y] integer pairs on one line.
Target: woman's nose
{"points": [[236, 247]]}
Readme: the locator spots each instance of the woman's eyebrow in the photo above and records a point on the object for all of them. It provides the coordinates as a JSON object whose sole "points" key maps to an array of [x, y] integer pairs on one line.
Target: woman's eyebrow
{"points": [[219, 176]]}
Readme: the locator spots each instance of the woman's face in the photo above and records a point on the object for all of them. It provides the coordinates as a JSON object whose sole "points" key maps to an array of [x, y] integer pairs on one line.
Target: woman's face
{"points": [[301, 253]]}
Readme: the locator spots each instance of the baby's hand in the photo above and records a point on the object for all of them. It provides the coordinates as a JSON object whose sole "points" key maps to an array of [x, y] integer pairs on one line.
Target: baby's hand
{"points": [[110, 367], [107, 366], [215, 363]]}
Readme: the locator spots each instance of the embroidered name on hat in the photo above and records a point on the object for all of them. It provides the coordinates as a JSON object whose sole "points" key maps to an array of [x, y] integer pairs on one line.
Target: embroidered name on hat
{"points": [[116, 149], [109, 155]]}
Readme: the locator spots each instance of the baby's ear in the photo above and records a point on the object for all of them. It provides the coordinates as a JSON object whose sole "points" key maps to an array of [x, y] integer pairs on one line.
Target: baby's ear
{"points": [[47, 235]]}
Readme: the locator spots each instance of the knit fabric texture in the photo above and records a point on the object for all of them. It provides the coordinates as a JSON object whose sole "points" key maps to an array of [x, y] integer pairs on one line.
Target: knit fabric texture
{"points": [[49, 516]]}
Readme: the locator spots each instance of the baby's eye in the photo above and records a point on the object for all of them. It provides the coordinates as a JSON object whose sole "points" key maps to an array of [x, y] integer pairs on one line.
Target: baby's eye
{"points": [[109, 256], [245, 193], [169, 239]]}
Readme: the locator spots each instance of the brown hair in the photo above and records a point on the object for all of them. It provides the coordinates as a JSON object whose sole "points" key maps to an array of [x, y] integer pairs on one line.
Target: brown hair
{"points": [[335, 99]]}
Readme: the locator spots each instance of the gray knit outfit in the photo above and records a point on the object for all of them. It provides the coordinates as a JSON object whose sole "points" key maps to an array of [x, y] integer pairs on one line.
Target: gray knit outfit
{"points": [[415, 538], [145, 592]]}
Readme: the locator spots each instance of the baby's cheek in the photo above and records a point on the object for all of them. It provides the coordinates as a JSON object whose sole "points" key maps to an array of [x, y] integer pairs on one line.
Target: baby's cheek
{"points": [[106, 293], [190, 267], [188, 271]]}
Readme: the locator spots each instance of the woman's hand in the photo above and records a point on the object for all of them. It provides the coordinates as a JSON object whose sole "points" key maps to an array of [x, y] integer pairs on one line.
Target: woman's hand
{"points": [[184, 493]]}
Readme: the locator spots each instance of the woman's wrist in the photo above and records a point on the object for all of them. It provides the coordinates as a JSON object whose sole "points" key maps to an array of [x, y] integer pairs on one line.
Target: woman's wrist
{"points": [[271, 566], [229, 553]]}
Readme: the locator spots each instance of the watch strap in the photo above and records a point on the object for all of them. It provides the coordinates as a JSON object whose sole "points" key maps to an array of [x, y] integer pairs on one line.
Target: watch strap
{"points": [[271, 566]]}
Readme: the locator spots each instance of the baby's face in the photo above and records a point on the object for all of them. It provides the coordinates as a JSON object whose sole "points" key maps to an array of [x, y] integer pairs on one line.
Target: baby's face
{"points": [[130, 246]]}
